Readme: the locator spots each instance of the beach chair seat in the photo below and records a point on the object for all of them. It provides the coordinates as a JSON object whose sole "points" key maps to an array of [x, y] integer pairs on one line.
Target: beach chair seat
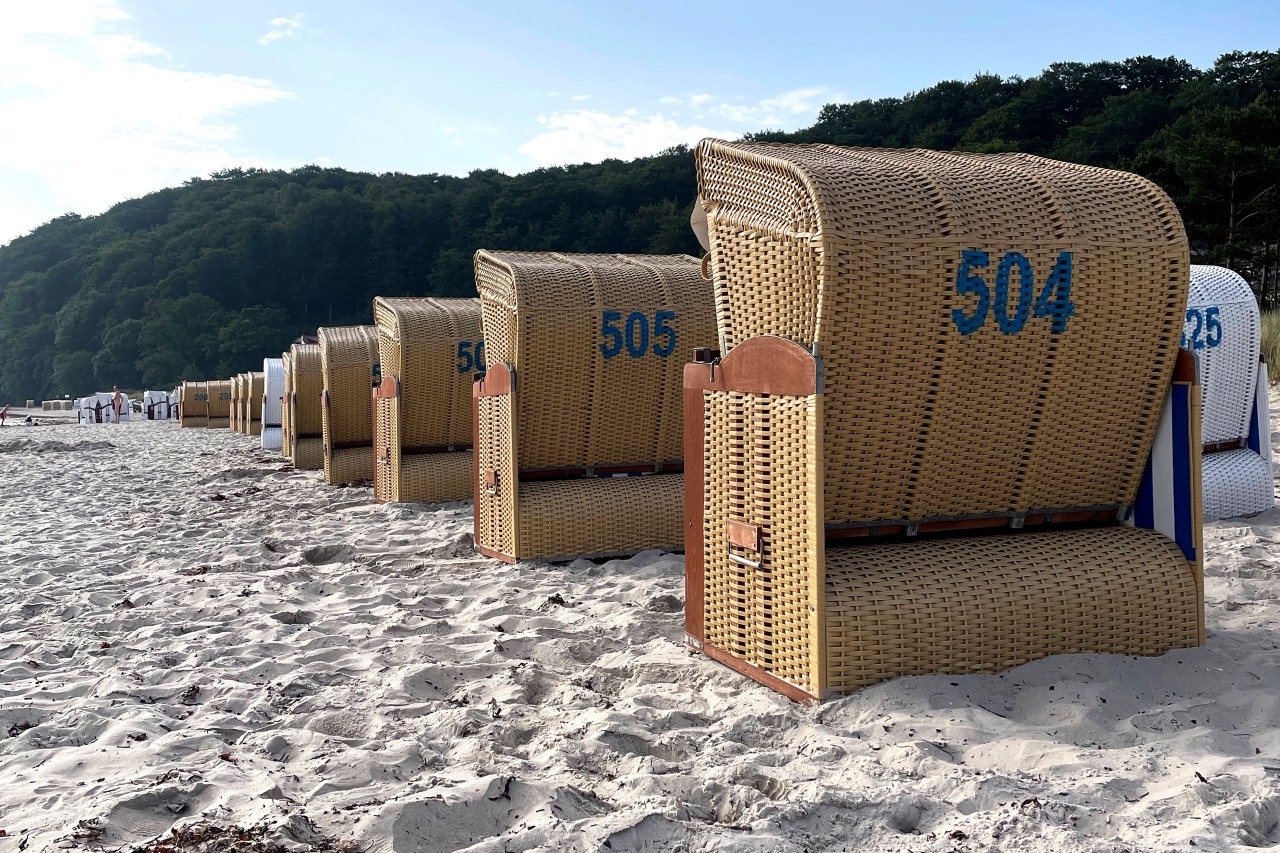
{"points": [[1223, 330], [948, 427], [429, 349], [305, 381], [578, 428], [349, 364]]}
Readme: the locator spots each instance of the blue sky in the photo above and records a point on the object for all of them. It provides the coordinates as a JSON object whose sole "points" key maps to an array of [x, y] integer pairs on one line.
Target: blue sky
{"points": [[104, 100]]}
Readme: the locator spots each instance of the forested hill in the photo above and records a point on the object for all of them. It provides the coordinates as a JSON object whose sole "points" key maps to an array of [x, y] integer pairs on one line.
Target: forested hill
{"points": [[202, 280]]}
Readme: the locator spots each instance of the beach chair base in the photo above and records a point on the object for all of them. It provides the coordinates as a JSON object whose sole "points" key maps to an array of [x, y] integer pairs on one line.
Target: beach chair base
{"points": [[426, 478], [271, 439], [308, 454], [219, 423], [348, 465], [194, 422], [1237, 483]]}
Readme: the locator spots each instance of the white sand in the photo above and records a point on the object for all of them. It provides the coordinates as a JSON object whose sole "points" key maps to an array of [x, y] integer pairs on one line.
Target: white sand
{"points": [[297, 656]]}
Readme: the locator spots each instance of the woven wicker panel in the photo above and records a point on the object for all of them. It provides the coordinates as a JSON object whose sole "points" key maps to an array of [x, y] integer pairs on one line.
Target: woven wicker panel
{"points": [[235, 404], [195, 422], [348, 465], [767, 615], [598, 343], [429, 346], [286, 409], [308, 383], [254, 403], [1223, 330], [435, 477], [196, 400], [347, 358], [1236, 483], [986, 603], [495, 507], [386, 448], [271, 439], [308, 454], [861, 253], [600, 516], [220, 401]]}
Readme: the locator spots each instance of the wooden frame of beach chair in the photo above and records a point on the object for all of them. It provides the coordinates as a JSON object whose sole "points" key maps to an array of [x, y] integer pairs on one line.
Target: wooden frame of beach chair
{"points": [[193, 411], [943, 432], [1223, 330], [272, 403], [253, 402], [429, 349], [220, 404], [348, 363], [578, 431], [306, 420]]}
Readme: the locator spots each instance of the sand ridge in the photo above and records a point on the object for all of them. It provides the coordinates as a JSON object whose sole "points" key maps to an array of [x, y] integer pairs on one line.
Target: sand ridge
{"points": [[193, 631]]}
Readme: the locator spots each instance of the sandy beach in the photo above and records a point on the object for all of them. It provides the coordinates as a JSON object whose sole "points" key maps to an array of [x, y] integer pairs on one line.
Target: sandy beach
{"points": [[192, 631]]}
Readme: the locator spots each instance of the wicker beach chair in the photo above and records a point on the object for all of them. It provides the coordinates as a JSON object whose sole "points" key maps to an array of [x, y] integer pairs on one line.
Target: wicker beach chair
{"points": [[193, 411], [428, 349], [348, 361], [1223, 331], [306, 422], [578, 445], [949, 428], [220, 404], [253, 402], [272, 392]]}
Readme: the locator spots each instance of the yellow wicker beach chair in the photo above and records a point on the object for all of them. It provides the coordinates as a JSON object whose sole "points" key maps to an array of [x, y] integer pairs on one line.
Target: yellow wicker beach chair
{"points": [[578, 444], [948, 428], [220, 404], [348, 359], [236, 392], [286, 411], [307, 422], [429, 349], [254, 383], [193, 409]]}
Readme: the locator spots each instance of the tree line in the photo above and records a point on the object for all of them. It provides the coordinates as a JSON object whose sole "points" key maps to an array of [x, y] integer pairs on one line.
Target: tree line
{"points": [[201, 280]]}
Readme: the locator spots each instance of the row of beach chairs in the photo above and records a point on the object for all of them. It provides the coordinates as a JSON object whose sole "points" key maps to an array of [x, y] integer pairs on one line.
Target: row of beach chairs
{"points": [[914, 412]]}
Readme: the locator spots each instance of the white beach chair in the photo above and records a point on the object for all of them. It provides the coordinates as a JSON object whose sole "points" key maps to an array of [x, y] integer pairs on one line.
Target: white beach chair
{"points": [[273, 389]]}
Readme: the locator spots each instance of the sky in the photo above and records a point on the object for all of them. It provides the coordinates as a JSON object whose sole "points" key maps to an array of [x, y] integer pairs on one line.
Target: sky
{"points": [[107, 100]]}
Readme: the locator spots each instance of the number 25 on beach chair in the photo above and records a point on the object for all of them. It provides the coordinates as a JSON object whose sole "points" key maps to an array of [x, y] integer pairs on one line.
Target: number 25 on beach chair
{"points": [[948, 428], [1223, 330], [578, 424]]}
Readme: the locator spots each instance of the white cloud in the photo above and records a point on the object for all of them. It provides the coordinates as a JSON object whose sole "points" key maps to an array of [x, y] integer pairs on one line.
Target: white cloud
{"points": [[93, 116], [788, 109], [586, 136], [283, 28], [580, 98]]}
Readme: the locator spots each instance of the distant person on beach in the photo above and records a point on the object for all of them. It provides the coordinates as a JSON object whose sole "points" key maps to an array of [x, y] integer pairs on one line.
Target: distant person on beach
{"points": [[4, 413], [117, 402]]}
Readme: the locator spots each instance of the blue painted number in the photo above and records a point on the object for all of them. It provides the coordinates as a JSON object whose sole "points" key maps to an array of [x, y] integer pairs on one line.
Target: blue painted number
{"points": [[636, 333], [470, 356], [1054, 302], [1206, 332]]}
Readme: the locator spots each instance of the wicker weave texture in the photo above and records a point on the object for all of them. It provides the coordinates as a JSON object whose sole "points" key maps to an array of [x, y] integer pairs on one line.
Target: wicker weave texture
{"points": [[220, 401], [1237, 483], [434, 477], [348, 355], [194, 409], [986, 603], [308, 453], [1223, 330], [235, 403], [430, 346], [871, 257], [560, 519], [256, 382], [495, 504], [598, 344], [348, 465], [308, 383]]}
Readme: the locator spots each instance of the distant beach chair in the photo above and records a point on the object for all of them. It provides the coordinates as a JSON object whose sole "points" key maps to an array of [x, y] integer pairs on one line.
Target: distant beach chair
{"points": [[578, 431], [219, 404], [428, 351], [1223, 330], [306, 422], [194, 406], [949, 428], [272, 392], [155, 405], [348, 362], [234, 409], [253, 402]]}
